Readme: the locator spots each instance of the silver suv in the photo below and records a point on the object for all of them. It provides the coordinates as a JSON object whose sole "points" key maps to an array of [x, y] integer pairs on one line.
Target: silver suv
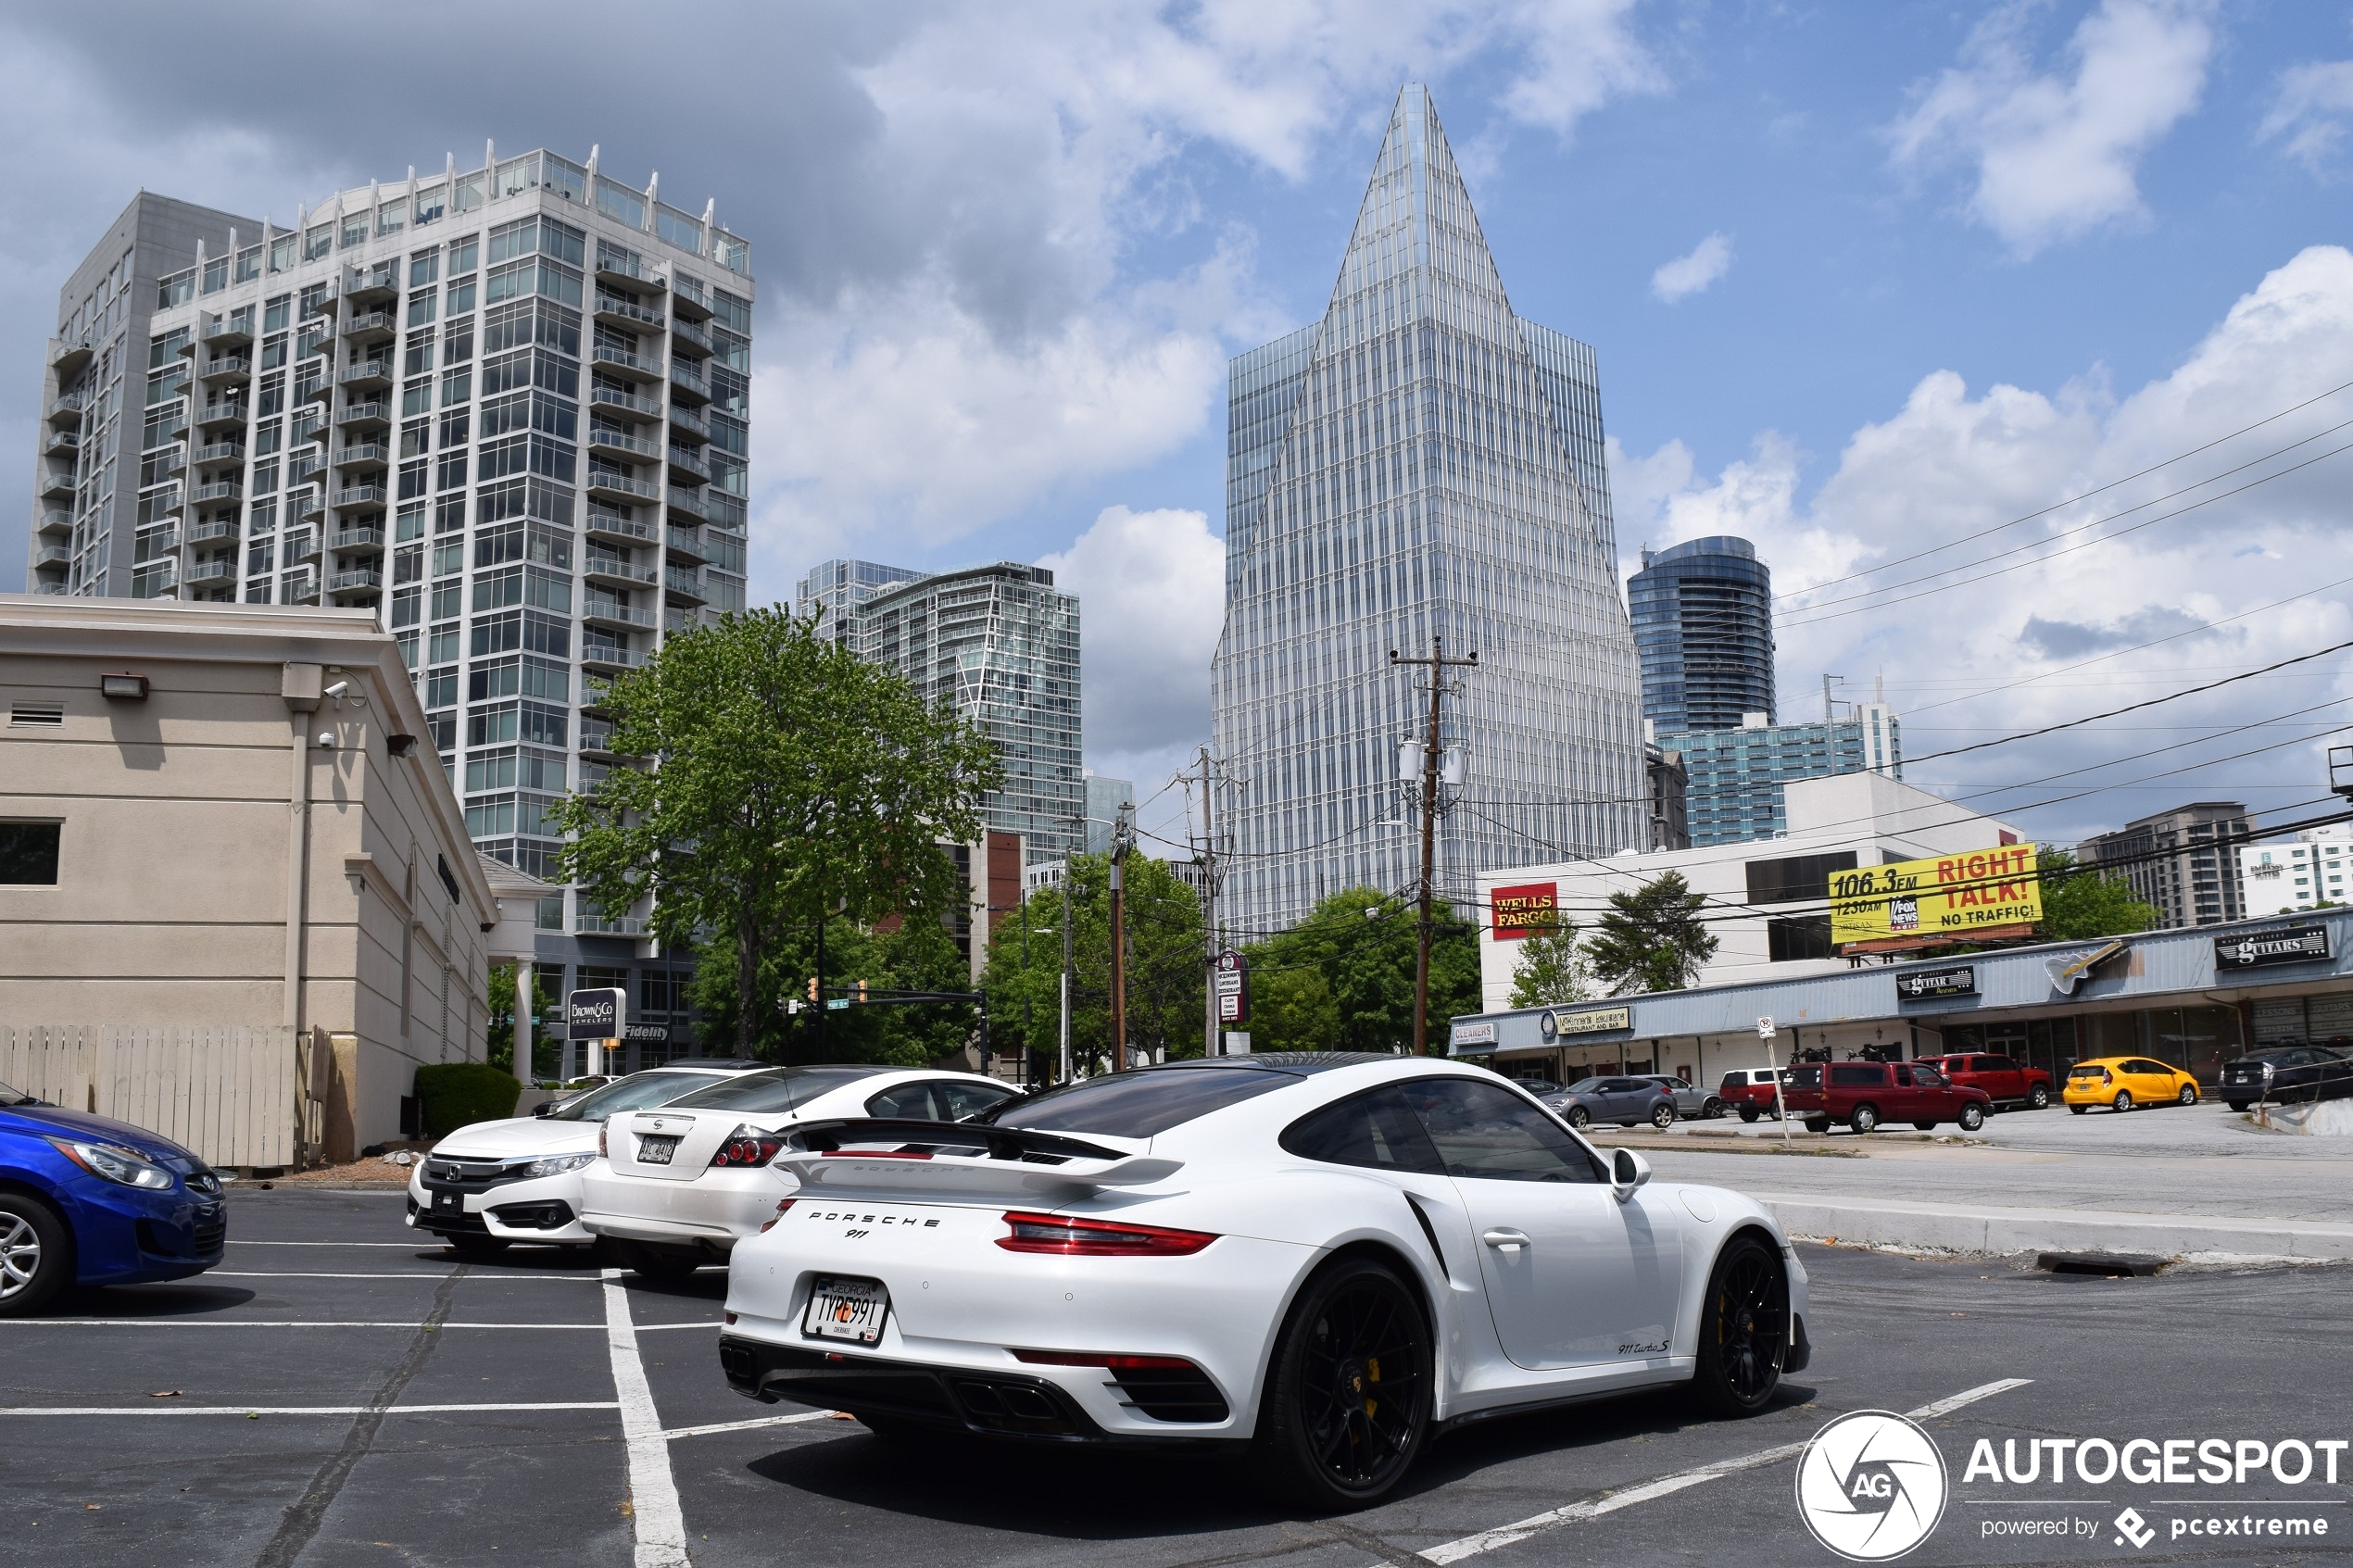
{"points": [[1691, 1102]]}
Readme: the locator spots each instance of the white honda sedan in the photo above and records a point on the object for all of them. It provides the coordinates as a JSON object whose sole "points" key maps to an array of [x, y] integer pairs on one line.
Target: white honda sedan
{"points": [[679, 1186], [492, 1183], [1325, 1257]]}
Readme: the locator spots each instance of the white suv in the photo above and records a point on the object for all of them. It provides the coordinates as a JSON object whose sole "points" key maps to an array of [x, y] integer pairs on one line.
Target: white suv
{"points": [[493, 1183]]}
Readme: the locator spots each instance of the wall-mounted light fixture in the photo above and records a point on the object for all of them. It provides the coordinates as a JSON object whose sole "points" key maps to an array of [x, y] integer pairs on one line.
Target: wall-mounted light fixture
{"points": [[126, 688]]}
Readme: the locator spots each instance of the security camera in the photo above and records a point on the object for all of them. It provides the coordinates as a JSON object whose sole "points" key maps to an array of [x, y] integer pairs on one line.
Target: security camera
{"points": [[341, 690], [326, 740]]}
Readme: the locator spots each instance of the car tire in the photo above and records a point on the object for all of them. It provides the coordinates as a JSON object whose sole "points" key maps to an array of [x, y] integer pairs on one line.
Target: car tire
{"points": [[1355, 1328], [2188, 1095], [2239, 1104], [1972, 1117], [2123, 1100], [1662, 1116], [1925, 1126], [2038, 1098], [2079, 1109], [1712, 1110], [1744, 1330], [1864, 1118], [663, 1265], [476, 1249], [1817, 1123], [36, 1255], [1750, 1113], [1577, 1117]]}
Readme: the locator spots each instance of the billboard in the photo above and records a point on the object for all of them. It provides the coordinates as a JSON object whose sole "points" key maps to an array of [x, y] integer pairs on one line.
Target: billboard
{"points": [[1532, 909], [1952, 896]]}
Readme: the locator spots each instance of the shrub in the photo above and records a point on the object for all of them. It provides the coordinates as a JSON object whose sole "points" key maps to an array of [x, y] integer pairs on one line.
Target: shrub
{"points": [[455, 1093]]}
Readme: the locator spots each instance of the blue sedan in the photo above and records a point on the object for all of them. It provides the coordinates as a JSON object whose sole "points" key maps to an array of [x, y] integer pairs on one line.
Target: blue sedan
{"points": [[89, 1200]]}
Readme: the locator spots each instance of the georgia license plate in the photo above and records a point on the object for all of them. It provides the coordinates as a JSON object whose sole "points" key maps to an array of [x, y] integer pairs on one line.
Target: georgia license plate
{"points": [[656, 1151], [846, 1309]]}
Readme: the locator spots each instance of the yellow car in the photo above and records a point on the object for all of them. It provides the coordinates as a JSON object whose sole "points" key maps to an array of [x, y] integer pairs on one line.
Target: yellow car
{"points": [[2125, 1082]]}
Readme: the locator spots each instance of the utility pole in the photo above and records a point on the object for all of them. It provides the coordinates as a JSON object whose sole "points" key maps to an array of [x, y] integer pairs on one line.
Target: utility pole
{"points": [[1119, 848], [1829, 713], [1209, 914], [1438, 664]]}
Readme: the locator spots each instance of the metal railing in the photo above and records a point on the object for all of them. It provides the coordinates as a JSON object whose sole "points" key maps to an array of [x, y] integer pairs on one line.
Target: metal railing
{"points": [[357, 539], [612, 397], [371, 412], [617, 658], [213, 571], [611, 305], [638, 530], [215, 528], [360, 495], [358, 577], [613, 440], [366, 370], [56, 519], [642, 489], [604, 354], [594, 609], [221, 490], [222, 452], [596, 564], [374, 452]]}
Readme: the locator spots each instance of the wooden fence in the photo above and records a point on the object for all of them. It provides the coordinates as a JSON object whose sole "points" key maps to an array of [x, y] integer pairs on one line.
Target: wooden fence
{"points": [[228, 1096]]}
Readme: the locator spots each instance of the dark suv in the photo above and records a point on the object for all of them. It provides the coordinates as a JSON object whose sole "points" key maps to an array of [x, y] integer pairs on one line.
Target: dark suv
{"points": [[2287, 1073], [1622, 1100]]}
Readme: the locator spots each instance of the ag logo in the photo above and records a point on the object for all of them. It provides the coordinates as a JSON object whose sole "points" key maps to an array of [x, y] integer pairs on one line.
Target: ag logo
{"points": [[1871, 1486]]}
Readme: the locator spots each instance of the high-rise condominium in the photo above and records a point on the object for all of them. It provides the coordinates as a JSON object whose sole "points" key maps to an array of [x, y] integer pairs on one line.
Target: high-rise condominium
{"points": [[504, 408], [1703, 616], [835, 590], [1422, 463]]}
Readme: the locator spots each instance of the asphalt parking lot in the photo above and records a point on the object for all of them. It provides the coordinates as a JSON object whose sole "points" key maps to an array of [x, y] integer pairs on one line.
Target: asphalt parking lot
{"points": [[338, 1394]]}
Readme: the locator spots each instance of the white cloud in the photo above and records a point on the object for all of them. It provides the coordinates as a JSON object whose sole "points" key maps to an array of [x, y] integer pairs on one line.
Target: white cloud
{"points": [[2314, 101], [2058, 157], [1950, 464], [1709, 260], [1152, 592]]}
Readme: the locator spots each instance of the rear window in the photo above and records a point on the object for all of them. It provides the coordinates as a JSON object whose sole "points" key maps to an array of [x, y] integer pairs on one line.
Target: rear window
{"points": [[1734, 1081], [1138, 1105], [2086, 1069], [778, 1088], [1857, 1075], [1807, 1077], [633, 1093]]}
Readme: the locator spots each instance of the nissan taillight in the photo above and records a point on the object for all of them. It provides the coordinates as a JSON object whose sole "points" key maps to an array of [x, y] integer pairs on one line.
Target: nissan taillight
{"points": [[1068, 1237], [603, 1152], [747, 1146]]}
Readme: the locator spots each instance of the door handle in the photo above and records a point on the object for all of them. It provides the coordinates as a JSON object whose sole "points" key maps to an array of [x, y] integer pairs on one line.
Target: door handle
{"points": [[1504, 1240]]}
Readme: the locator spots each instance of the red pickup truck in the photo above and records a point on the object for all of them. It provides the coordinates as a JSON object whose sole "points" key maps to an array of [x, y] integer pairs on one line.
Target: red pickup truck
{"points": [[2005, 1082], [1865, 1094]]}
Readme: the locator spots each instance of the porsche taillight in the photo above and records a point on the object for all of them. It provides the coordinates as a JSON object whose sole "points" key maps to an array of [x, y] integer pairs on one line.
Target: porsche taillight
{"points": [[747, 1146], [1068, 1237], [783, 1208], [1115, 1362]]}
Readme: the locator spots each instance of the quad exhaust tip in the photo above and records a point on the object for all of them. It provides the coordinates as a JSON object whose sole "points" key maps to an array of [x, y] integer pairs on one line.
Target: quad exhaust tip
{"points": [[2110, 1265]]}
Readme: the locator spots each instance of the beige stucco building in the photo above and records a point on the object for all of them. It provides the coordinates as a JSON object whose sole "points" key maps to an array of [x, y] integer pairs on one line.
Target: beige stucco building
{"points": [[232, 879]]}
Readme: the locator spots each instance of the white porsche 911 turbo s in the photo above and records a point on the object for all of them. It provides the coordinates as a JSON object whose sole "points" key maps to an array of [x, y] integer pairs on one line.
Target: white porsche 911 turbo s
{"points": [[679, 1186], [1325, 1256]]}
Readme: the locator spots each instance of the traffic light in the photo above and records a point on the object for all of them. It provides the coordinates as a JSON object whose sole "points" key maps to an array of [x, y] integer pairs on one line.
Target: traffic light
{"points": [[813, 990], [862, 993]]}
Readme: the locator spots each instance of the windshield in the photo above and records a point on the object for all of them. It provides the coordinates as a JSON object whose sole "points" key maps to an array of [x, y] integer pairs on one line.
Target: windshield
{"points": [[1584, 1086], [1137, 1105], [775, 1088], [633, 1093], [10, 1097]]}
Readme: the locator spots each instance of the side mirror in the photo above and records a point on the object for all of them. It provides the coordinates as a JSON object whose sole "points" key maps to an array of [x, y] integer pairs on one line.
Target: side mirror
{"points": [[1628, 1171], [544, 1108]]}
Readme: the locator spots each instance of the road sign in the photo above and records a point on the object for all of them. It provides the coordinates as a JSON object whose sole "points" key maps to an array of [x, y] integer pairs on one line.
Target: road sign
{"points": [[600, 1014], [1231, 983], [1763, 1028]]}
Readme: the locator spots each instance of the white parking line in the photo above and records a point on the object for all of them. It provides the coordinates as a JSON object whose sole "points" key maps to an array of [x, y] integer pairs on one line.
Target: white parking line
{"points": [[274, 1322], [297, 1410], [661, 1529], [411, 1246], [677, 1431], [410, 1274], [658, 1327], [1576, 1512]]}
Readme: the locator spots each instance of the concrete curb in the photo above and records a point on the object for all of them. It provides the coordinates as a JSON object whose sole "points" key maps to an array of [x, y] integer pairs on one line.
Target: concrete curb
{"points": [[1998, 1231]]}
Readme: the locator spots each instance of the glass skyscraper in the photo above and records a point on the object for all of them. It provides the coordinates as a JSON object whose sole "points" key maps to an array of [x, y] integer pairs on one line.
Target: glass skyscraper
{"points": [[837, 590], [1420, 464], [1704, 626]]}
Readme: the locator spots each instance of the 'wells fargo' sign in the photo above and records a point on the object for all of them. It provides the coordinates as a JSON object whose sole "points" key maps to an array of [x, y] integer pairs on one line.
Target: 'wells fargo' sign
{"points": [[1937, 900], [1530, 910]]}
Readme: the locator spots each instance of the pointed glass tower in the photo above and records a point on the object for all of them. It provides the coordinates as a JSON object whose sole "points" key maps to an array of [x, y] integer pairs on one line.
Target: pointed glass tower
{"points": [[1419, 463]]}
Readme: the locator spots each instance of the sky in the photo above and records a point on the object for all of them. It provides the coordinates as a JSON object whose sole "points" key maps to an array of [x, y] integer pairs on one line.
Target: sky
{"points": [[1865, 281]]}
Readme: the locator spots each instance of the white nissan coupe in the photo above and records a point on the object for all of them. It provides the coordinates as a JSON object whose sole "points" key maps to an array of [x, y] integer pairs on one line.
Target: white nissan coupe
{"points": [[1325, 1256]]}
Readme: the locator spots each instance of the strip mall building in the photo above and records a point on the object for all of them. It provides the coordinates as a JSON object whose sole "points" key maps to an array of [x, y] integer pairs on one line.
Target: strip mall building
{"points": [[2194, 999]]}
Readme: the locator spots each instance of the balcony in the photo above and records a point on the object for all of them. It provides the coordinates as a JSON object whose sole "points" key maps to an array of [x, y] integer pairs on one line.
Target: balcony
{"points": [[364, 455], [160, 543], [611, 265], [608, 926], [600, 568], [596, 740], [620, 312], [357, 580], [369, 375], [688, 422], [620, 530], [606, 397], [681, 584], [599, 611], [234, 370], [305, 508], [219, 490], [65, 410], [688, 465], [372, 415], [688, 302], [685, 381], [162, 466], [309, 425], [54, 521], [374, 326], [642, 368], [354, 496], [213, 454], [222, 413], [229, 331], [302, 590], [320, 391], [223, 570], [685, 544], [52, 555], [324, 304], [604, 438], [66, 442], [604, 656], [691, 339], [214, 528], [373, 285], [314, 340], [365, 540], [613, 486], [49, 585], [683, 503], [55, 485], [67, 359]]}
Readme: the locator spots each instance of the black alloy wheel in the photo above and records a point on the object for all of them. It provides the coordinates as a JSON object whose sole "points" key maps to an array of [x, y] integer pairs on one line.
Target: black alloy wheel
{"points": [[2038, 1098], [1712, 1110], [1348, 1398], [1662, 1115], [1743, 1335]]}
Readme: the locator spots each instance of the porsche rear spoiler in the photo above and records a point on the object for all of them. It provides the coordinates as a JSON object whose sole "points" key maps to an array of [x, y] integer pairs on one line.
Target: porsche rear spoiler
{"points": [[965, 1157]]}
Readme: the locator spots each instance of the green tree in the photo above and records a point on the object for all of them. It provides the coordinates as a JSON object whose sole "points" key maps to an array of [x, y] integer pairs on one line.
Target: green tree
{"points": [[1549, 971], [912, 955], [1292, 1009], [1167, 966], [787, 782], [1651, 939], [1362, 943], [2080, 900], [501, 1052]]}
